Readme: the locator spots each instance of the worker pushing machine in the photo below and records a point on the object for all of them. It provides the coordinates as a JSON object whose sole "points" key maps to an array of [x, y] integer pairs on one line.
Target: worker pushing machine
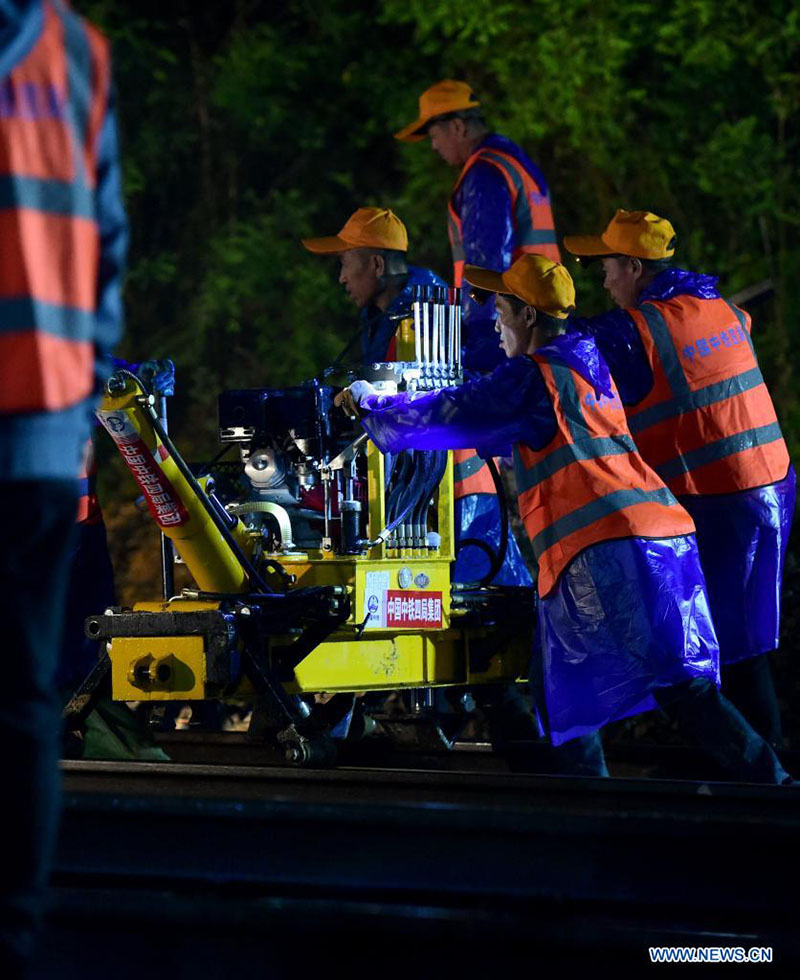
{"points": [[699, 410], [624, 622]]}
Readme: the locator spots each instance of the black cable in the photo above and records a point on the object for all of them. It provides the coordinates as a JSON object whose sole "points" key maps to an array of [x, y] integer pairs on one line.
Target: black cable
{"points": [[400, 476]]}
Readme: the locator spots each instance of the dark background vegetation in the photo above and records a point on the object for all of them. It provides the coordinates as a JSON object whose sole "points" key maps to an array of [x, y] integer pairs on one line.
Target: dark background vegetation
{"points": [[246, 125]]}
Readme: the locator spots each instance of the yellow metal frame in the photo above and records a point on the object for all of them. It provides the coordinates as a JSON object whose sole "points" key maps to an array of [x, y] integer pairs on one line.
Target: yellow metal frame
{"points": [[360, 656]]}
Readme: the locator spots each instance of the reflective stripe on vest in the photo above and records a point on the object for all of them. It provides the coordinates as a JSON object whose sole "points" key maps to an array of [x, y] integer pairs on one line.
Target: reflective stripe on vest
{"points": [[534, 230], [708, 425], [588, 484], [52, 106], [471, 474]]}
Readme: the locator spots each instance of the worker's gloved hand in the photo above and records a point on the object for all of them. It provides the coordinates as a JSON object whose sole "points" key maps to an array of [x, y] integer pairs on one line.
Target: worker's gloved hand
{"points": [[353, 397], [158, 376]]}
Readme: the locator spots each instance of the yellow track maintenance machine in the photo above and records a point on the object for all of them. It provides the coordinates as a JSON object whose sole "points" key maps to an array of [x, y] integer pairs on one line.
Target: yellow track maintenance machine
{"points": [[320, 566]]}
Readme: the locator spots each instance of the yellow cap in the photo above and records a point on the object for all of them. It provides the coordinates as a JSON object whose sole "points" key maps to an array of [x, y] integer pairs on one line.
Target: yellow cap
{"points": [[640, 234], [536, 280], [367, 228], [438, 100]]}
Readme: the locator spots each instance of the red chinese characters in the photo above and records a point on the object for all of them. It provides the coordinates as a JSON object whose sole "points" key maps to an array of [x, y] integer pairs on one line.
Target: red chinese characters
{"points": [[413, 609]]}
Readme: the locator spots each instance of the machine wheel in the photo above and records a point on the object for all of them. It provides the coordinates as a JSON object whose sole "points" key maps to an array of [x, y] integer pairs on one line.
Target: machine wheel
{"points": [[316, 752]]}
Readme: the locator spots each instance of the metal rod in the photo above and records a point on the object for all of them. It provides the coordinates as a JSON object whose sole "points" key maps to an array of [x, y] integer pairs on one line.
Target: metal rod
{"points": [[457, 305], [451, 310], [435, 337], [417, 326], [425, 332], [440, 330]]}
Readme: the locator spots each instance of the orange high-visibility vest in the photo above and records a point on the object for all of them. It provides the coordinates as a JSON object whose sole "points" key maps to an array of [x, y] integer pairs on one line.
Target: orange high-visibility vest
{"points": [[534, 230], [470, 474], [589, 484], [52, 106], [708, 425]]}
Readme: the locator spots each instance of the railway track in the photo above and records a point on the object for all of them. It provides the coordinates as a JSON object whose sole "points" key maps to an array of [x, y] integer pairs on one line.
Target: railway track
{"points": [[469, 864]]}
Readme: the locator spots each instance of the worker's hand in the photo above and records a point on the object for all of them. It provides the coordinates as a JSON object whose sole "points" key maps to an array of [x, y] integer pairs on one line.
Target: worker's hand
{"points": [[351, 398], [159, 376]]}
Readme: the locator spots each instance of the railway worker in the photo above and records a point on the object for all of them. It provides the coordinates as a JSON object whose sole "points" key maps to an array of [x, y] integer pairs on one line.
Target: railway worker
{"points": [[64, 235], [624, 622], [702, 417], [499, 209], [372, 248]]}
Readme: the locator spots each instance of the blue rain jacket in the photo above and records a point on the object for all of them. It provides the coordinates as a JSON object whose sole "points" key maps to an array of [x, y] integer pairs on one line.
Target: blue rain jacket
{"points": [[742, 536], [627, 616], [483, 204], [378, 327]]}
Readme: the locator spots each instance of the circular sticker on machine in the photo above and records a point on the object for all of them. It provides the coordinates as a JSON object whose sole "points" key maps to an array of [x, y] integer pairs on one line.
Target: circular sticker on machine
{"points": [[405, 577], [372, 604], [422, 581]]}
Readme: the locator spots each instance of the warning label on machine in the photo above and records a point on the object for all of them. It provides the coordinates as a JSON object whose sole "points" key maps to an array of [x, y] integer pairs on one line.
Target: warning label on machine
{"points": [[411, 609], [165, 505]]}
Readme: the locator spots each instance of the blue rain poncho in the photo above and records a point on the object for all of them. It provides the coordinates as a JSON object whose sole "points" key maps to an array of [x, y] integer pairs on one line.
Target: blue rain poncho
{"points": [[483, 204], [742, 536], [626, 616]]}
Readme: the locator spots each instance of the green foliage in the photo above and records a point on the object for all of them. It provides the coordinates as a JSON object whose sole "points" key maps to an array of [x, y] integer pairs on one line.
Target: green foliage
{"points": [[249, 125]]}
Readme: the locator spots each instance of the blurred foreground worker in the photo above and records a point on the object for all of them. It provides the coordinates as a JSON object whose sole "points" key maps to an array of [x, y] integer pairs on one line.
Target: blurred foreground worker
{"points": [[63, 233], [623, 619], [702, 417], [499, 207], [372, 249]]}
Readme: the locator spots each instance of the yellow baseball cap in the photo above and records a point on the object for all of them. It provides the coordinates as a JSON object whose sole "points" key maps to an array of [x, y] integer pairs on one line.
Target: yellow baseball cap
{"points": [[536, 280], [640, 234], [367, 227], [438, 100]]}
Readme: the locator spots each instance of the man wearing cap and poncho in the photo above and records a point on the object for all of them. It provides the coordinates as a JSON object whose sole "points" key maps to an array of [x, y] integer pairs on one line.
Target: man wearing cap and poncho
{"points": [[499, 209], [623, 617], [372, 248], [702, 417]]}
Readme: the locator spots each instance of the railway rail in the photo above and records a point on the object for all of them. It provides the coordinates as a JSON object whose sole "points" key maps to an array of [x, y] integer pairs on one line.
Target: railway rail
{"points": [[204, 863]]}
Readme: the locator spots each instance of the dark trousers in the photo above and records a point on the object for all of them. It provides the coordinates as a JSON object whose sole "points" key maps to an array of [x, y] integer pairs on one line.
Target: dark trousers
{"points": [[708, 720], [37, 523], [748, 684], [705, 718]]}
